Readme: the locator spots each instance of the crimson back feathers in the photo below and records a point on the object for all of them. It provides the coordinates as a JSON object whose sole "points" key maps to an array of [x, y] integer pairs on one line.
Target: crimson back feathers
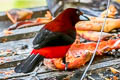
{"points": [[53, 40], [64, 21]]}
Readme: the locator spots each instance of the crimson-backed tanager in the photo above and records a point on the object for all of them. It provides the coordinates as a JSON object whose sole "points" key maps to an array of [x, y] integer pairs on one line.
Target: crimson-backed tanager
{"points": [[53, 40]]}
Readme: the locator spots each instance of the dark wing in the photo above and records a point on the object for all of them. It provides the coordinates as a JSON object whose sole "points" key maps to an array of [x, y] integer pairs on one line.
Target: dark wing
{"points": [[47, 38]]}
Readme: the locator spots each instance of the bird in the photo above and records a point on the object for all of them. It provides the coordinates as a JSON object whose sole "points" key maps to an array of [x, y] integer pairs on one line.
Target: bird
{"points": [[53, 40]]}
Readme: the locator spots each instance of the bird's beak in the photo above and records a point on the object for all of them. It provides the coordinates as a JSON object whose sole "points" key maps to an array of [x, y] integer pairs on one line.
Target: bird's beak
{"points": [[83, 18]]}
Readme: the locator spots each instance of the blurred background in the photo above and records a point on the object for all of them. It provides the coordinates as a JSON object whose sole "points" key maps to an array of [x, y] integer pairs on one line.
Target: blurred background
{"points": [[9, 4]]}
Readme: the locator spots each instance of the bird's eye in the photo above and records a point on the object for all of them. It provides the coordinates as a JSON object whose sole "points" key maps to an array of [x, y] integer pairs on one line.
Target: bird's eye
{"points": [[78, 12]]}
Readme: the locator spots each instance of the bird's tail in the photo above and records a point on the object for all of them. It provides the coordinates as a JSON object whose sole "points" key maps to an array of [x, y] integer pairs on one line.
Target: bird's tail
{"points": [[29, 63]]}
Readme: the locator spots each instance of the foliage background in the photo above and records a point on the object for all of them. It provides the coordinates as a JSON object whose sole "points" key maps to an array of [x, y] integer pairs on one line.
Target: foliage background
{"points": [[9, 4]]}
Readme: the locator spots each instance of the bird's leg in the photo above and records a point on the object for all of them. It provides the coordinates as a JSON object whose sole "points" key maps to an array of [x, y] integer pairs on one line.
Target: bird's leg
{"points": [[66, 64], [35, 72]]}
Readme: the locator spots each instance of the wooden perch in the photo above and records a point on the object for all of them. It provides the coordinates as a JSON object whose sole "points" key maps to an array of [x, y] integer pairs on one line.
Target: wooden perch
{"points": [[20, 34]]}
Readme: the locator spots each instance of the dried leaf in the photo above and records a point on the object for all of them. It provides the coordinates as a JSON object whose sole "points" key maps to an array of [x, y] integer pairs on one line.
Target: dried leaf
{"points": [[107, 79], [16, 15], [8, 50], [1, 61], [111, 13], [115, 78], [7, 32], [4, 40], [113, 70], [1, 58], [9, 72]]}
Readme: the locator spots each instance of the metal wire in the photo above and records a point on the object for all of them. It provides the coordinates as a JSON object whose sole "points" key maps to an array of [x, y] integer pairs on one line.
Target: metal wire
{"points": [[108, 4], [34, 75]]}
